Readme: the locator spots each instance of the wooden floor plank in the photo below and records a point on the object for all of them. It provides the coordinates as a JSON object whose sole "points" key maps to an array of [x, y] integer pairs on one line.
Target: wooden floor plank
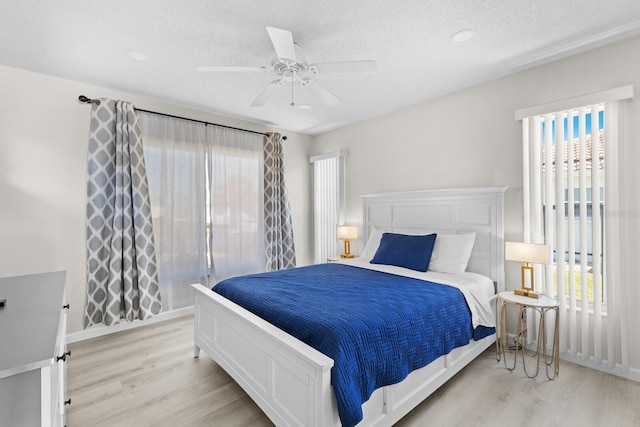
{"points": [[148, 377]]}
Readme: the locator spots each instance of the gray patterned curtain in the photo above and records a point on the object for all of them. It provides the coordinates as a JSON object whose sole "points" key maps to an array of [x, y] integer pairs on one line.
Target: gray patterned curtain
{"points": [[279, 248], [122, 276]]}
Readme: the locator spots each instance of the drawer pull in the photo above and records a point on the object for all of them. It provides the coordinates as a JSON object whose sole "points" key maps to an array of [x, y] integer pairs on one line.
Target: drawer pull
{"points": [[64, 356], [67, 402], [66, 306]]}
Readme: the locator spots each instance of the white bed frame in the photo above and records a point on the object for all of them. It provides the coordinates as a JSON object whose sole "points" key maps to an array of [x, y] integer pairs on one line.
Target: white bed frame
{"points": [[290, 380]]}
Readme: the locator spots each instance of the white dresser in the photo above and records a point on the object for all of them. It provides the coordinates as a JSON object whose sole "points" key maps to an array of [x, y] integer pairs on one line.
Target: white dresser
{"points": [[33, 327]]}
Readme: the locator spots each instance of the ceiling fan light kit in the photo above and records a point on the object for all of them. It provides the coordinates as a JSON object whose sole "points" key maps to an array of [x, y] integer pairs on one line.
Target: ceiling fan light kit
{"points": [[292, 67]]}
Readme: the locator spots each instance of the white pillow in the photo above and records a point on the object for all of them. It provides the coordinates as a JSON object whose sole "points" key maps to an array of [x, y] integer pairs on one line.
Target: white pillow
{"points": [[372, 244], [451, 253]]}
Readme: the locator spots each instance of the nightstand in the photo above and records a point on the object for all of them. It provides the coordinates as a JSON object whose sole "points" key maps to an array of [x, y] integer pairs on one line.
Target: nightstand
{"points": [[542, 306]]}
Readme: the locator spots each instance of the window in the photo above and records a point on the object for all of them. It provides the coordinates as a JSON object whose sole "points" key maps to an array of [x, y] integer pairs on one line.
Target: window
{"points": [[573, 175], [328, 203], [235, 239], [572, 160], [205, 184]]}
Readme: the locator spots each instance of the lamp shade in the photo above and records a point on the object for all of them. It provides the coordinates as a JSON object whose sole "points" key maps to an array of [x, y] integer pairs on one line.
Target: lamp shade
{"points": [[527, 252], [347, 232]]}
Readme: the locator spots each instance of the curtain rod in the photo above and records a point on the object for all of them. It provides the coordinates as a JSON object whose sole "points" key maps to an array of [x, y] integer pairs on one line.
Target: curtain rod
{"points": [[87, 100]]}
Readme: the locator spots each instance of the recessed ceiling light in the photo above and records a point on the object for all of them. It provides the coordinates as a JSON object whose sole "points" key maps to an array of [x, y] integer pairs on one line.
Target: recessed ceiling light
{"points": [[463, 36], [304, 107], [136, 56]]}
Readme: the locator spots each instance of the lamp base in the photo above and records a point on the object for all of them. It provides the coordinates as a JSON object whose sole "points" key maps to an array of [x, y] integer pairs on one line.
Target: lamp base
{"points": [[526, 293], [347, 256]]}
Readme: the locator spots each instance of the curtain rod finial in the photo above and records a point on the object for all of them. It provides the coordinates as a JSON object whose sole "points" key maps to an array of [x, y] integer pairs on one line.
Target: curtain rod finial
{"points": [[86, 100]]}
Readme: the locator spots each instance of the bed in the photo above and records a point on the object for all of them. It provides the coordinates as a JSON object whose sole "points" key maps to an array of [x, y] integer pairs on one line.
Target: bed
{"points": [[290, 380]]}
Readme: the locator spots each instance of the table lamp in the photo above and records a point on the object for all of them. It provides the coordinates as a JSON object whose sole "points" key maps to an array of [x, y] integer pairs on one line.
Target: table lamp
{"points": [[347, 233], [527, 253]]}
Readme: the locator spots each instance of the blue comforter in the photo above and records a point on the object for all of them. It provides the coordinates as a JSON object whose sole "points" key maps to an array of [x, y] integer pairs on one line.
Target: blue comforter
{"points": [[377, 327]]}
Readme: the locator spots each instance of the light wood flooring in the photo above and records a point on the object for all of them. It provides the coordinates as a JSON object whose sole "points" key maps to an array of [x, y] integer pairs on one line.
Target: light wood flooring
{"points": [[148, 377]]}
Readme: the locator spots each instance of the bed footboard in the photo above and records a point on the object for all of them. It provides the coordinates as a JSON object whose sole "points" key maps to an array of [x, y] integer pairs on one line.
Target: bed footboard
{"points": [[290, 381]]}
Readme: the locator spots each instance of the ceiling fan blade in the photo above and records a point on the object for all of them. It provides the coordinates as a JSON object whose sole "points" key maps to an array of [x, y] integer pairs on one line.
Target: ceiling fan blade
{"points": [[328, 98], [227, 69], [266, 93], [346, 67], [283, 44]]}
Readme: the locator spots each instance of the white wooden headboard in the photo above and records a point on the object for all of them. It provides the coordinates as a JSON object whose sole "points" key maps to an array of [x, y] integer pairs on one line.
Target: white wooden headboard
{"points": [[452, 211]]}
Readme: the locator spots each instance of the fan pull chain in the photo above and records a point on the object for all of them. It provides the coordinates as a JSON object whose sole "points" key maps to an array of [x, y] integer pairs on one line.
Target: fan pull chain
{"points": [[292, 103]]}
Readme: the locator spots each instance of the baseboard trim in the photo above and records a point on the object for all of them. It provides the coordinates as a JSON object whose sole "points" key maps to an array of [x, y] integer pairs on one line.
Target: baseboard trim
{"points": [[630, 373], [99, 331], [603, 366]]}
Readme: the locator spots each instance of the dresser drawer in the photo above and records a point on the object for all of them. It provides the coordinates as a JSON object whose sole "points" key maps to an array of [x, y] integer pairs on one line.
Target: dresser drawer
{"points": [[33, 326]]}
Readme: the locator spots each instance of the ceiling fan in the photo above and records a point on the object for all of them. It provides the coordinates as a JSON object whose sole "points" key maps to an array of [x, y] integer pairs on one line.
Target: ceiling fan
{"points": [[290, 65]]}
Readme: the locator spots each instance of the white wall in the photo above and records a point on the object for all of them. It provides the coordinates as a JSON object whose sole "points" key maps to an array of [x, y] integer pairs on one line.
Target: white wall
{"points": [[44, 132], [470, 138]]}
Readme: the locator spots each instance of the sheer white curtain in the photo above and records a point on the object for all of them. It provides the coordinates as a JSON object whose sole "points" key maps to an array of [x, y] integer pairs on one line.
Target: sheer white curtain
{"points": [[175, 152], [234, 170], [206, 197], [577, 199]]}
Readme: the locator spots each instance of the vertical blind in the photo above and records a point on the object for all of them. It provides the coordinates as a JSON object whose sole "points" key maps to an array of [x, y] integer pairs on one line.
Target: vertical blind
{"points": [[328, 202], [566, 202], [571, 202], [573, 168]]}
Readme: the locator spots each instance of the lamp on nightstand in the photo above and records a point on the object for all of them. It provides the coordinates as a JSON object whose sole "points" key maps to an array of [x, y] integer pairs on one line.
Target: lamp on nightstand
{"points": [[347, 233], [528, 253]]}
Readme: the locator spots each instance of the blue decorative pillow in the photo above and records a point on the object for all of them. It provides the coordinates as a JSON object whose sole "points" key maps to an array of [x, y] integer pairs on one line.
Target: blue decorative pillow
{"points": [[401, 250]]}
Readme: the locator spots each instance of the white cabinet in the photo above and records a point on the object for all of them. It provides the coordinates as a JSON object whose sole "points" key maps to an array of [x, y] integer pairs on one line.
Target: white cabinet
{"points": [[33, 328]]}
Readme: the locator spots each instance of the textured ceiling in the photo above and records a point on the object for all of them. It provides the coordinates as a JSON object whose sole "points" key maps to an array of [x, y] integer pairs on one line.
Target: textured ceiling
{"points": [[86, 41]]}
